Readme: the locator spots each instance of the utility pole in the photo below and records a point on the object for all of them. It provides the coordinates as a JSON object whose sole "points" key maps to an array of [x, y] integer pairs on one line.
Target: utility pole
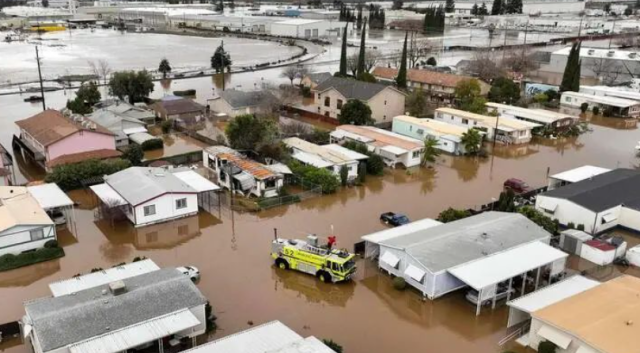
{"points": [[580, 27], [613, 30], [223, 62], [504, 45], [44, 106]]}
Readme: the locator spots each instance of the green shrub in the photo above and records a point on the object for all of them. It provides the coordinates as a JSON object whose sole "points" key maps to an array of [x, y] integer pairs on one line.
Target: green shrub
{"points": [[546, 347], [154, 144], [399, 283], [540, 219], [540, 98], [375, 163], [580, 227], [452, 214], [166, 126], [584, 107], [51, 244], [315, 176], [333, 345], [344, 175], [551, 94], [185, 93], [70, 176], [595, 110], [10, 261], [571, 225], [306, 92]]}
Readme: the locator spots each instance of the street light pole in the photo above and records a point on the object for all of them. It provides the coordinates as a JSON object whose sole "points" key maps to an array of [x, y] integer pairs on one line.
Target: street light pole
{"points": [[44, 106]]}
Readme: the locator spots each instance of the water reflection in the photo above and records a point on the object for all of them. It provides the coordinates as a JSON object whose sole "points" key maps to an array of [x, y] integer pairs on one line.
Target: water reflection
{"points": [[312, 290], [28, 275], [27, 166]]}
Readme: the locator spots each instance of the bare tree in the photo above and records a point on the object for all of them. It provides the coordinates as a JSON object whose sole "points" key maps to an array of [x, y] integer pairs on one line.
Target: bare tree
{"points": [[352, 63], [371, 58], [294, 128], [605, 70], [302, 72], [290, 72], [418, 50], [101, 69], [484, 65], [520, 61], [628, 42]]}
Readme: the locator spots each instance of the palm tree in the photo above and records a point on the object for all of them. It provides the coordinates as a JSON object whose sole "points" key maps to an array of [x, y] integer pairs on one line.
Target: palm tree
{"points": [[431, 150], [472, 141]]}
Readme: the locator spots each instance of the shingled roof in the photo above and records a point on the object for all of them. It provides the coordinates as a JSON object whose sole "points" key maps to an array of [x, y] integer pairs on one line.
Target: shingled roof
{"points": [[51, 126], [352, 89], [427, 77]]}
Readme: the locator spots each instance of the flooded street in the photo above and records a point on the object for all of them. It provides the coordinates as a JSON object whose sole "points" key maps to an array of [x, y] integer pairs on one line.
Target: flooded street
{"points": [[367, 315]]}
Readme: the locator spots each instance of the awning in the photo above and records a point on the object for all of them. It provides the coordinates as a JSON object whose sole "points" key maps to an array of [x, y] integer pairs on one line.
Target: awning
{"points": [[502, 266], [49, 196], [390, 259], [610, 217], [108, 196], [134, 130], [196, 181], [415, 273], [138, 334], [311, 159], [142, 137], [396, 151], [548, 205], [247, 181], [586, 349], [395, 232], [552, 294], [560, 339]]}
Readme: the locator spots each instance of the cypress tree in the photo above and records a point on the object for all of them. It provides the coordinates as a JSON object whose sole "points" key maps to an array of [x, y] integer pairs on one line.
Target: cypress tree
{"points": [[474, 9], [361, 66], [571, 69], [343, 53], [401, 80], [496, 8], [450, 6], [575, 86], [359, 20]]}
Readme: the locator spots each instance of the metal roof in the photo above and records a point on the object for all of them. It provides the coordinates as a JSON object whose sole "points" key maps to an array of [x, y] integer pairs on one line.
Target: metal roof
{"points": [[504, 124], [552, 294], [142, 137], [140, 184], [539, 115], [499, 267], [379, 137], [272, 337], [71, 319], [108, 196], [345, 151], [451, 244], [136, 335], [581, 173], [606, 100], [404, 229], [333, 156], [434, 127], [196, 181], [49, 196], [94, 279], [602, 192], [311, 159]]}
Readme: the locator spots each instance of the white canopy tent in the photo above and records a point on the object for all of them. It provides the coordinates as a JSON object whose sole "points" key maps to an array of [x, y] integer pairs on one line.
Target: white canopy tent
{"points": [[486, 273]]}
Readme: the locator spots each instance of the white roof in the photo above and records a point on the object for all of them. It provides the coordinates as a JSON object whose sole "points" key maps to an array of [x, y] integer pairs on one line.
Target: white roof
{"points": [[401, 230], [496, 268], [49, 196], [95, 279], [347, 152], [602, 53], [606, 100], [297, 22], [108, 195], [612, 91], [311, 159], [581, 173], [138, 334], [196, 181], [340, 134], [559, 338], [142, 137], [552, 294], [394, 150], [539, 115], [329, 155], [272, 337], [134, 130]]}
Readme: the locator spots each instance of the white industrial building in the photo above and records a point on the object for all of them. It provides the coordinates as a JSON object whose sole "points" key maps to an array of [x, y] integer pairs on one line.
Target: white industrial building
{"points": [[307, 28], [330, 157], [607, 64], [393, 148], [484, 252], [520, 309], [118, 316], [536, 116], [272, 337], [574, 175], [533, 7], [611, 92], [598, 203], [153, 195], [509, 131], [608, 105]]}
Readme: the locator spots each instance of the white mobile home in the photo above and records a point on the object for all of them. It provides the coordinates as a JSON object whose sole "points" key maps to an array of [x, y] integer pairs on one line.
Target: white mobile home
{"points": [[149, 309], [610, 92], [449, 136], [613, 106], [240, 174], [153, 195], [393, 148], [510, 131], [481, 251], [536, 116], [574, 175], [598, 203], [24, 225], [325, 157]]}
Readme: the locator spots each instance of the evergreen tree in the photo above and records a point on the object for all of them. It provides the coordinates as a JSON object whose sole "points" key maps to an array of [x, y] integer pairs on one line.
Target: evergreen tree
{"points": [[343, 53], [450, 6], [575, 85], [572, 69], [359, 19], [475, 10], [401, 80], [220, 59], [496, 8], [220, 6], [361, 64], [483, 10]]}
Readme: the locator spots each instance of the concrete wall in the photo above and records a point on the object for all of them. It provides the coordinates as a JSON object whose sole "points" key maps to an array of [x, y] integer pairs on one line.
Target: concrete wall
{"points": [[166, 208], [82, 141], [17, 239]]}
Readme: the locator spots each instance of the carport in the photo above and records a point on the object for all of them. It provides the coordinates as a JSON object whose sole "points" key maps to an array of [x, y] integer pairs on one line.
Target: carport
{"points": [[486, 273], [51, 198], [372, 241]]}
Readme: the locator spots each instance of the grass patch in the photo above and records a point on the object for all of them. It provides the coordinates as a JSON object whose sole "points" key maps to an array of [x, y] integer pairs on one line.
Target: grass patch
{"points": [[10, 261]]}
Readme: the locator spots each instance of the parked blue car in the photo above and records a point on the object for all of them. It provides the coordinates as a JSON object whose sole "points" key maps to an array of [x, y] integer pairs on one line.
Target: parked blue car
{"points": [[394, 219]]}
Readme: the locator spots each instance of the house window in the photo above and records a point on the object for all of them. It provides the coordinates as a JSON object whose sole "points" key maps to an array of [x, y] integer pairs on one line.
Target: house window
{"points": [[420, 132], [327, 113], [465, 121], [384, 117], [440, 116], [270, 183], [415, 154], [339, 104], [410, 128], [327, 101], [567, 99], [149, 210], [385, 102], [318, 109], [181, 203], [36, 234]]}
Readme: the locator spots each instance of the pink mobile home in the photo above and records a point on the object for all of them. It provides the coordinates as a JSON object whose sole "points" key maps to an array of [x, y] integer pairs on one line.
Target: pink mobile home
{"points": [[53, 139]]}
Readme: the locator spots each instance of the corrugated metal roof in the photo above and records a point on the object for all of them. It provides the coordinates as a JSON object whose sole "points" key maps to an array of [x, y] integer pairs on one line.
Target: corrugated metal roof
{"points": [[334, 157], [581, 173], [138, 334], [196, 181], [552, 294], [142, 137], [49, 196], [91, 280], [258, 170], [139, 184], [21, 209], [496, 268], [404, 229], [345, 151]]}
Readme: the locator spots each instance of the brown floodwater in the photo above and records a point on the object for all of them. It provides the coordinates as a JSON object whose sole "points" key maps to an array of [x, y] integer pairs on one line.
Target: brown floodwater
{"points": [[367, 315], [175, 144]]}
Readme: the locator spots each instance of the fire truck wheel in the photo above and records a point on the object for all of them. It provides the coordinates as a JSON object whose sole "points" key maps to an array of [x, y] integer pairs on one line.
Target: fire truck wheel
{"points": [[282, 264], [324, 277]]}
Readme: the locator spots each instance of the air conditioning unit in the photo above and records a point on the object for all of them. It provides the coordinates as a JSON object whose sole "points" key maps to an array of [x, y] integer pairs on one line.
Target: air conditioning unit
{"points": [[591, 51], [610, 53], [633, 55], [117, 287]]}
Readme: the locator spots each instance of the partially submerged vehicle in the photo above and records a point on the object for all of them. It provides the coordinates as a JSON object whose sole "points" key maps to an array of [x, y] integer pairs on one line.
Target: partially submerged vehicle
{"points": [[324, 262]]}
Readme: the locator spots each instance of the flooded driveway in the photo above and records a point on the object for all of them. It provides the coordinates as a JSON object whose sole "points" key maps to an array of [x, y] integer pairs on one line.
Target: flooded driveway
{"points": [[367, 315]]}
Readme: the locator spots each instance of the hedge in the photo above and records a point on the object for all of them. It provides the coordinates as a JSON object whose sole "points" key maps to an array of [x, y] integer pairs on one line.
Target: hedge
{"points": [[70, 176], [154, 144], [315, 176], [10, 261]]}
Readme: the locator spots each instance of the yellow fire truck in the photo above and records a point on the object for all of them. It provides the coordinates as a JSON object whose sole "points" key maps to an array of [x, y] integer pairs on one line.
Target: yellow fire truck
{"points": [[329, 265]]}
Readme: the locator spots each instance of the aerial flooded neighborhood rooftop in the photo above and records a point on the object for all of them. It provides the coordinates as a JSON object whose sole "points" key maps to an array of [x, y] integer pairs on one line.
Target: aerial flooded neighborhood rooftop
{"points": [[319, 176]]}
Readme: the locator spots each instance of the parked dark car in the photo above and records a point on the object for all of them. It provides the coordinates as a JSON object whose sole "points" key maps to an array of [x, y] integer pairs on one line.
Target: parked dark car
{"points": [[394, 219], [32, 99], [516, 185]]}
